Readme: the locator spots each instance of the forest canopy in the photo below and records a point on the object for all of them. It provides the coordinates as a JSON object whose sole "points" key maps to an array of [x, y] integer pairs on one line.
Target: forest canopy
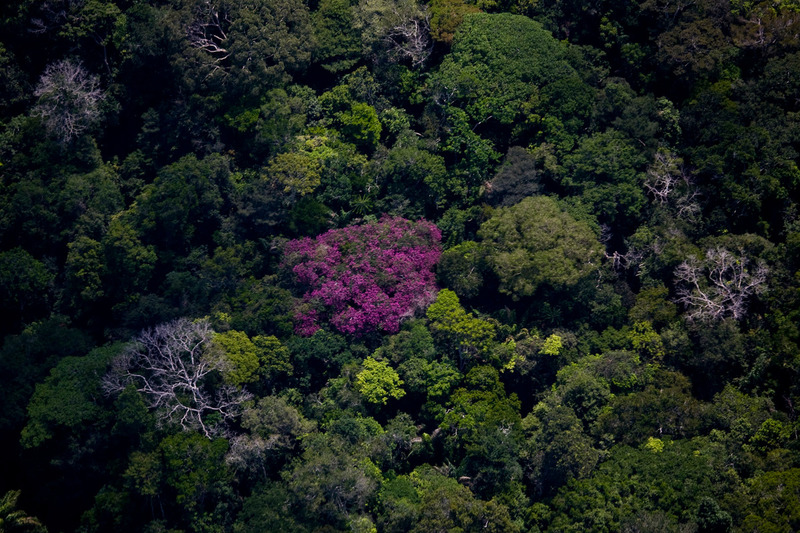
{"points": [[399, 266]]}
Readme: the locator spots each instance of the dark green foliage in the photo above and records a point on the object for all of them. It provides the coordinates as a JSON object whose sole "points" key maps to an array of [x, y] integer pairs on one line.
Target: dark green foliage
{"points": [[461, 269], [426, 500], [483, 432], [268, 509], [338, 42], [606, 168], [69, 420], [69, 398], [664, 407], [182, 208], [24, 287], [517, 178], [13, 92], [416, 174], [25, 360], [770, 502], [259, 306], [710, 518], [318, 357], [189, 470], [332, 481], [631, 482], [556, 448], [268, 43], [613, 343], [496, 65]]}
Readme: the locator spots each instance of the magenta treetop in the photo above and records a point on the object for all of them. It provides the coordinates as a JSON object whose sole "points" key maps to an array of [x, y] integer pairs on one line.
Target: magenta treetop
{"points": [[365, 278]]}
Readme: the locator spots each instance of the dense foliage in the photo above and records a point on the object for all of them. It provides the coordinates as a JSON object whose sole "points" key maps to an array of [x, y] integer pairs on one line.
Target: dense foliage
{"points": [[399, 265]]}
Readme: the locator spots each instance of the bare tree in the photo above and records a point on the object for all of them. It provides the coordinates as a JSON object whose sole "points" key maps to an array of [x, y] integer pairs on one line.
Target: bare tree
{"points": [[50, 15], [400, 27], [719, 286], [410, 39], [670, 185], [208, 32], [630, 259], [171, 364], [69, 100]]}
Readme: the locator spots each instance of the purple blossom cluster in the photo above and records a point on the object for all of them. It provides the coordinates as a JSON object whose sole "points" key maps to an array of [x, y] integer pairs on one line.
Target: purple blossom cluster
{"points": [[365, 278]]}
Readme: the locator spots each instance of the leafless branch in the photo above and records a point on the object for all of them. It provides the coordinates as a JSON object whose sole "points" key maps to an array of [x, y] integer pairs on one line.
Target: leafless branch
{"points": [[69, 99], [662, 176], [410, 39], [630, 259], [719, 286], [51, 15], [170, 365], [401, 27], [670, 185], [208, 31]]}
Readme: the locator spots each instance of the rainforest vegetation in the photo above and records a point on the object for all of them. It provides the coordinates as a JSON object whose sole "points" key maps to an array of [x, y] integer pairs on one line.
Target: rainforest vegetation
{"points": [[399, 266]]}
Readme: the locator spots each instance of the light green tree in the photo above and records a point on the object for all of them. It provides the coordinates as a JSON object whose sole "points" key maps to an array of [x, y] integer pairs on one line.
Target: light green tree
{"points": [[471, 335], [647, 341], [552, 345], [378, 382], [295, 173], [240, 352], [273, 356]]}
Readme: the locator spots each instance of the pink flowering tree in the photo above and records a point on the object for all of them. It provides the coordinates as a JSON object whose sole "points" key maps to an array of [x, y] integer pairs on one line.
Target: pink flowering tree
{"points": [[364, 278]]}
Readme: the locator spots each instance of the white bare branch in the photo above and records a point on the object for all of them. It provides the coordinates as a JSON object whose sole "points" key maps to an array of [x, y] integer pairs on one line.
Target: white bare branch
{"points": [[662, 176], [69, 99], [605, 233], [410, 39], [208, 31], [402, 27], [671, 186], [170, 365], [719, 286], [633, 258], [51, 15]]}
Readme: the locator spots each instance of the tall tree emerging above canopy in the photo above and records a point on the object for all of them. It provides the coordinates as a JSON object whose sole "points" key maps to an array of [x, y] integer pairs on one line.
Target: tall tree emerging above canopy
{"points": [[364, 278], [498, 62], [490, 81], [535, 243]]}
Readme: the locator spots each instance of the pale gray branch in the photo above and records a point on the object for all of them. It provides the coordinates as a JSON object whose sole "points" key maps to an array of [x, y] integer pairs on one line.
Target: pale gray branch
{"points": [[719, 286], [69, 100], [170, 365]]}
